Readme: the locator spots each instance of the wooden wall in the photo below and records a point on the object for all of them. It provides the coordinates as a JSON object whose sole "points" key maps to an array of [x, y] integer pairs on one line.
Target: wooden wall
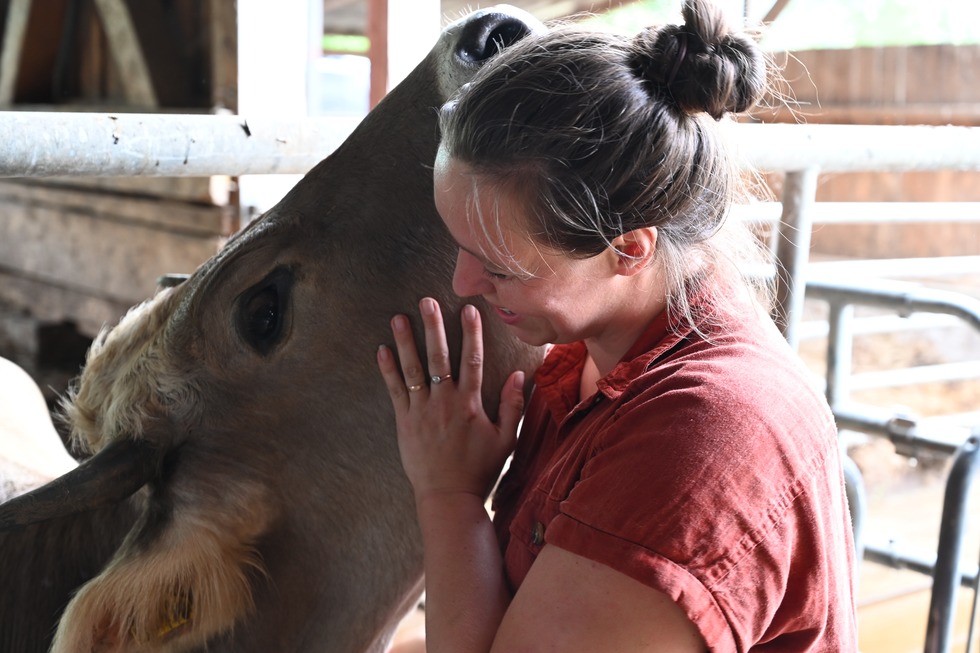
{"points": [[933, 85], [78, 252]]}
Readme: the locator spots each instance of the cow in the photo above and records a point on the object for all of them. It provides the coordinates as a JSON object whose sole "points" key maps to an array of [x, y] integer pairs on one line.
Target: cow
{"points": [[242, 489]]}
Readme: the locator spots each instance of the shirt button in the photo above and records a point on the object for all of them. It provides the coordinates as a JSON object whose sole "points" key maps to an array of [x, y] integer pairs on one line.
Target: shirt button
{"points": [[537, 534]]}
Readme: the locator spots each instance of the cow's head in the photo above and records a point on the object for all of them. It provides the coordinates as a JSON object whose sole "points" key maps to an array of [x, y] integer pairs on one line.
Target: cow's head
{"points": [[245, 410]]}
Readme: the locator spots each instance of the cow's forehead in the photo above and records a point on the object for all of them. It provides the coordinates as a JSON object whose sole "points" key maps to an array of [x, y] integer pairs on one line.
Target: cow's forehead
{"points": [[273, 230]]}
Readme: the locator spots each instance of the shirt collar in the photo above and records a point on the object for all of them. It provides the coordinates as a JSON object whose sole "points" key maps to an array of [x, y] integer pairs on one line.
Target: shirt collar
{"points": [[559, 375], [659, 336]]}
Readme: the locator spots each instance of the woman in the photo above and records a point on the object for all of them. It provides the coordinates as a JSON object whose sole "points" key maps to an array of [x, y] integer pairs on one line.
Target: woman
{"points": [[677, 482]]}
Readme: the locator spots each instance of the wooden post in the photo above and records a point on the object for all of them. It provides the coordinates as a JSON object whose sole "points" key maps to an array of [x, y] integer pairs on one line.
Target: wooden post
{"points": [[401, 34], [127, 54], [377, 33], [223, 24], [13, 41]]}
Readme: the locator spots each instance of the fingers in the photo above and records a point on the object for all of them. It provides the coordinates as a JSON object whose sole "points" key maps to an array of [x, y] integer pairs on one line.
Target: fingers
{"points": [[512, 404], [413, 371], [417, 377], [471, 362], [437, 350], [392, 378], [414, 380]]}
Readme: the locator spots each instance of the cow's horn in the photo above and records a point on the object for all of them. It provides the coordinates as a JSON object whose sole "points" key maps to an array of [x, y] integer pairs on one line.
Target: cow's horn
{"points": [[113, 474]]}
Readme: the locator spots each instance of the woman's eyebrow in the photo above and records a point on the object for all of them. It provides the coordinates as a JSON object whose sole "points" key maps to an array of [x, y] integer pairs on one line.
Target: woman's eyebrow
{"points": [[475, 255]]}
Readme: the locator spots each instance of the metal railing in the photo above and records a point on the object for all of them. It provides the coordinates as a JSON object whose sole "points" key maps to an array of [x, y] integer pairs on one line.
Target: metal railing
{"points": [[910, 437], [38, 144], [802, 160]]}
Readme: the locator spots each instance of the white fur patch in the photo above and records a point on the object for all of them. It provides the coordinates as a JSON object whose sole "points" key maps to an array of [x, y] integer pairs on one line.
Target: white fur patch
{"points": [[184, 573], [127, 379], [191, 584]]}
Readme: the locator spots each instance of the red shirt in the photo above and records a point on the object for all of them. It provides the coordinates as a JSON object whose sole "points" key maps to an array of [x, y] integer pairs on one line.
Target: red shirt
{"points": [[709, 471]]}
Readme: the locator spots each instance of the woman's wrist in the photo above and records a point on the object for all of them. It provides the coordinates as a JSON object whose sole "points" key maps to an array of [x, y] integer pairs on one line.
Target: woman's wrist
{"points": [[438, 503]]}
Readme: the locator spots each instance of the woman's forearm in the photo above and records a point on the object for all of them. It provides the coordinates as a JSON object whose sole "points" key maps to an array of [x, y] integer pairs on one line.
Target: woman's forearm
{"points": [[466, 595]]}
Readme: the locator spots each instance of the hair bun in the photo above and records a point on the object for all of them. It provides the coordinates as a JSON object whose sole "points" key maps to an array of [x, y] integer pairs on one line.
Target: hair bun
{"points": [[702, 65]]}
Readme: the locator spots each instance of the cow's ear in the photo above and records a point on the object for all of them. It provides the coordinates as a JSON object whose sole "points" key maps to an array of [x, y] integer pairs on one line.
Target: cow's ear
{"points": [[172, 586]]}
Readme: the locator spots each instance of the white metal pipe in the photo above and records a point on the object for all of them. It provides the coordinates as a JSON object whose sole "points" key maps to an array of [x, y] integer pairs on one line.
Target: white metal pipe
{"points": [[850, 148], [878, 324], [919, 375], [793, 248], [895, 268], [48, 144], [43, 144], [866, 212]]}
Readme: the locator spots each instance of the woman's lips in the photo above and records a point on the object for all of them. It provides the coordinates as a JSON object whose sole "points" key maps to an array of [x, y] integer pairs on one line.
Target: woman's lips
{"points": [[508, 317]]}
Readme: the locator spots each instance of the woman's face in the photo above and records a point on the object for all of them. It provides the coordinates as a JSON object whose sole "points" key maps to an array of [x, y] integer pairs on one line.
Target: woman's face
{"points": [[542, 296]]}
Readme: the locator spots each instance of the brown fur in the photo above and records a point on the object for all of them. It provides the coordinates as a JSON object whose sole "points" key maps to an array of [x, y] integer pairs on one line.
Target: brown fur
{"points": [[281, 519]]}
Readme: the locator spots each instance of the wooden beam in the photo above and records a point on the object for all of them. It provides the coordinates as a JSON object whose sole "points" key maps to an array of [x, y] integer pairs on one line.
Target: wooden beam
{"points": [[223, 21], [774, 11], [13, 42], [377, 33], [127, 54]]}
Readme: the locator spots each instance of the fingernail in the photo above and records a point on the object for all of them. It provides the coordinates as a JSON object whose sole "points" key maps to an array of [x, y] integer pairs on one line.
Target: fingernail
{"points": [[399, 323], [519, 380], [469, 312], [384, 353], [428, 306]]}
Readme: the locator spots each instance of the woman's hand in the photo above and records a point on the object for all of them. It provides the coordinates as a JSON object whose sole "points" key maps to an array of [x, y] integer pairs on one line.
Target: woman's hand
{"points": [[448, 444]]}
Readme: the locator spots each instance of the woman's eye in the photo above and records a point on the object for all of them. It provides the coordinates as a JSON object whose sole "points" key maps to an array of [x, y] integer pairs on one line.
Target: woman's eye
{"points": [[496, 276]]}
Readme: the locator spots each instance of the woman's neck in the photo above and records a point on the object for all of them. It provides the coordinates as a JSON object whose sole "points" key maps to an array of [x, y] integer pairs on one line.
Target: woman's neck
{"points": [[590, 377]]}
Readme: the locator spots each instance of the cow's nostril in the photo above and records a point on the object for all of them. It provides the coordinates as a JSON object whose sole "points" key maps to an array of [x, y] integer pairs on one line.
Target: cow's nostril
{"points": [[483, 38], [508, 33]]}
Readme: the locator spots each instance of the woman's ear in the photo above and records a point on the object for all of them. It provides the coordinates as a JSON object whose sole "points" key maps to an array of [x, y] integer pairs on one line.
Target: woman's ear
{"points": [[635, 250]]}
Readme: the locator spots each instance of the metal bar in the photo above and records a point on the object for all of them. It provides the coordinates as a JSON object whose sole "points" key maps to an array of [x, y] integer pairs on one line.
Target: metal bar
{"points": [[905, 299], [918, 375], [908, 435], [931, 266], [970, 631], [793, 249], [857, 502], [849, 148], [876, 324], [307, 141], [867, 212], [839, 352], [946, 578], [889, 556], [160, 145]]}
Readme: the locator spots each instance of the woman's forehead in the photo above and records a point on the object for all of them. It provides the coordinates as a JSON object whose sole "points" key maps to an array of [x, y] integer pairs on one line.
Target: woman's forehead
{"points": [[484, 216]]}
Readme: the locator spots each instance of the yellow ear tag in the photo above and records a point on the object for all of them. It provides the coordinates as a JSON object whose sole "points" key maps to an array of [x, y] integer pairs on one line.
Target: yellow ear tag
{"points": [[178, 612]]}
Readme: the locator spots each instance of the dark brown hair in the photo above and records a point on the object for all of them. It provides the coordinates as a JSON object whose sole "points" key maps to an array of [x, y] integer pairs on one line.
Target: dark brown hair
{"points": [[602, 134]]}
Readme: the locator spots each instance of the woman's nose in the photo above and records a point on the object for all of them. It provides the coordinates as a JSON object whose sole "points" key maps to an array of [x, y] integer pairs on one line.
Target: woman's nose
{"points": [[468, 277]]}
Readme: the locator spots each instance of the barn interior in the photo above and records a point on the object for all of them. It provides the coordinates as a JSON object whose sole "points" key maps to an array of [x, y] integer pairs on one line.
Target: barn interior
{"points": [[76, 252]]}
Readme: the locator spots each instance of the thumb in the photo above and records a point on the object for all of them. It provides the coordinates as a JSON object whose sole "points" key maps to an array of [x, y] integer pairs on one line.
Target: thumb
{"points": [[512, 403]]}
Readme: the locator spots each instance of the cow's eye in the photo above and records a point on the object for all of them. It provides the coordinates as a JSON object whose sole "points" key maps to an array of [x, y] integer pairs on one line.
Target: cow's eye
{"points": [[262, 311]]}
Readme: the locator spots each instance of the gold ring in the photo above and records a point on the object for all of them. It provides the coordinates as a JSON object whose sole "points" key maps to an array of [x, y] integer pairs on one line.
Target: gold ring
{"points": [[416, 388]]}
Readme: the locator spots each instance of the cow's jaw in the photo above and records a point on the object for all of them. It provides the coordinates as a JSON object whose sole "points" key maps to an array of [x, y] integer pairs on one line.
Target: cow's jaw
{"points": [[184, 573]]}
